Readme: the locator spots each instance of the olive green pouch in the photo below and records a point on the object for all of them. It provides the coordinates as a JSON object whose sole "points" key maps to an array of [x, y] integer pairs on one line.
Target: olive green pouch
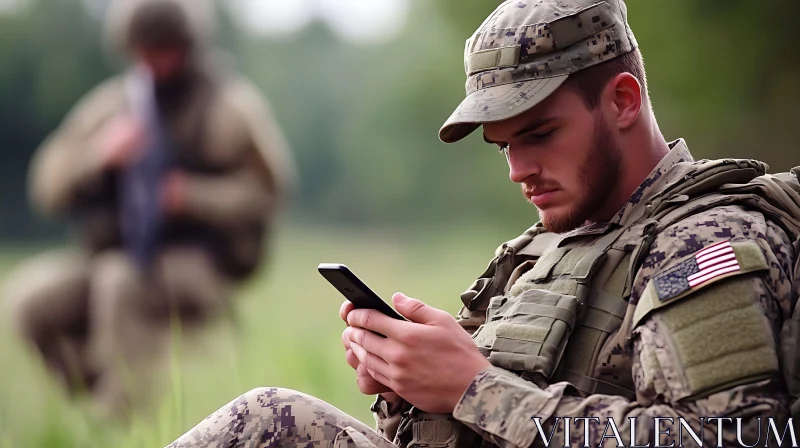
{"points": [[531, 331]]}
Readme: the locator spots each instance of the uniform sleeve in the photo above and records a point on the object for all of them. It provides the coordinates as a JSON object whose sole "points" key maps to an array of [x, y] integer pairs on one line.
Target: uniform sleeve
{"points": [[66, 165], [271, 158], [388, 417], [707, 351], [228, 200], [252, 192], [265, 176]]}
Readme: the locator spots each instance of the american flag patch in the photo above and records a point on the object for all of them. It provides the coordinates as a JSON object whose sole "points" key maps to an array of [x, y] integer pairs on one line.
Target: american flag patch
{"points": [[706, 264], [713, 261]]}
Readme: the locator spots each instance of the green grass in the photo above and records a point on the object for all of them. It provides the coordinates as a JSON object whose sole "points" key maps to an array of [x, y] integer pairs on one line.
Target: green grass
{"points": [[287, 334]]}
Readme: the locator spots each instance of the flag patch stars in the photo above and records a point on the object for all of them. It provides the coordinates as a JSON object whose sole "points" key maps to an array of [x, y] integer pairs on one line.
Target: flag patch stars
{"points": [[706, 264]]}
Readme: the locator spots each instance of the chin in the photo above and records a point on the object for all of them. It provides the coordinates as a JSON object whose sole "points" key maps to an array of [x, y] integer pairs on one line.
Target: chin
{"points": [[560, 222]]}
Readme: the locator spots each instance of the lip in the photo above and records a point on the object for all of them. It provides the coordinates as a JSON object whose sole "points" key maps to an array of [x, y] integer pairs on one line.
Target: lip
{"points": [[540, 198]]}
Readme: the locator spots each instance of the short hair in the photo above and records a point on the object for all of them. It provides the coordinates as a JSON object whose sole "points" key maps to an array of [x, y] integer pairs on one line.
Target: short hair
{"points": [[589, 83], [159, 25], [132, 23]]}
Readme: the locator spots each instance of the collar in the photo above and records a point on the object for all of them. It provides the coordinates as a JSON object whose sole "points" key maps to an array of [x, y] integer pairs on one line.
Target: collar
{"points": [[661, 176]]}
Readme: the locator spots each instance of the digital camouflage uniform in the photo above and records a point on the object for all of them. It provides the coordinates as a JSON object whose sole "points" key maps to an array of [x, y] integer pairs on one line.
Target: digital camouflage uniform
{"points": [[621, 319], [92, 312]]}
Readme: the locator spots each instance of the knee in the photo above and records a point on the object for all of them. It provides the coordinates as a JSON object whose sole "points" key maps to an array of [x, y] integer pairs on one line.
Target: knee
{"points": [[46, 293], [22, 311], [114, 270], [269, 394], [117, 292], [272, 398], [193, 287]]}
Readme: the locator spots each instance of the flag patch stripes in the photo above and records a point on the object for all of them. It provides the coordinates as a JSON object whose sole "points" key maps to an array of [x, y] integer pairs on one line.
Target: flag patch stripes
{"points": [[713, 261], [705, 265]]}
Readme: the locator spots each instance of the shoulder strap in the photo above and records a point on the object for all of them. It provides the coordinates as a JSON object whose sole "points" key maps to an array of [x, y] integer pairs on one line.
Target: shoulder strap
{"points": [[703, 186], [492, 282], [776, 196], [600, 315]]}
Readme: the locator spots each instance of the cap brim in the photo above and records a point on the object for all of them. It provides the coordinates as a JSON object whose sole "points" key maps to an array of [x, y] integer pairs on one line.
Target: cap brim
{"points": [[497, 103]]}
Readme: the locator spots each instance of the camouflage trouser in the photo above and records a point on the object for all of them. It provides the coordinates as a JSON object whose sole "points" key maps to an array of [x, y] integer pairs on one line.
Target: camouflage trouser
{"points": [[270, 417], [99, 322]]}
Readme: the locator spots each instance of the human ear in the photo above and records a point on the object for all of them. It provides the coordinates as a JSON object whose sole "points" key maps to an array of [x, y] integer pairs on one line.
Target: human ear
{"points": [[625, 94]]}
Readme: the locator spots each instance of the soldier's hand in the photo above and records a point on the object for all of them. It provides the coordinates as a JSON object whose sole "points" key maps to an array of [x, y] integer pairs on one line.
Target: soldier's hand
{"points": [[429, 361], [173, 193], [119, 142], [366, 383]]}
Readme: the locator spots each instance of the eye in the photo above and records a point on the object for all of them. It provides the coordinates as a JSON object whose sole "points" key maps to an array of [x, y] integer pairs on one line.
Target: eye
{"points": [[539, 136]]}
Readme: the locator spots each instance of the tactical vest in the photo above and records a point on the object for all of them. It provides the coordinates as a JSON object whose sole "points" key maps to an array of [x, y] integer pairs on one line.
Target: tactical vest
{"points": [[548, 303]]}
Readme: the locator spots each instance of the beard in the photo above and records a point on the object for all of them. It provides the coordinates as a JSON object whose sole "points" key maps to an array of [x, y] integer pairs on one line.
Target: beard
{"points": [[598, 177]]}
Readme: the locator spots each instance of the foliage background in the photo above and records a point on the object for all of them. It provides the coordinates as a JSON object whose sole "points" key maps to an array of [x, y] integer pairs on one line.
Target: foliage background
{"points": [[362, 117], [378, 189]]}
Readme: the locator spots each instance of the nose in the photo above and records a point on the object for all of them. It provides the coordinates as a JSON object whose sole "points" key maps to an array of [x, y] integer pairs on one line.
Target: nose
{"points": [[521, 166]]}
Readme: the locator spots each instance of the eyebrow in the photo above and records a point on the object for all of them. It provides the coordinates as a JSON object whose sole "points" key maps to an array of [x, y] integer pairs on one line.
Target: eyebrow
{"points": [[529, 128]]}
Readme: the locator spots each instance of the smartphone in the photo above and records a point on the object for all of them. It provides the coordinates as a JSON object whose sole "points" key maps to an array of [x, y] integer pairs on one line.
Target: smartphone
{"points": [[354, 290]]}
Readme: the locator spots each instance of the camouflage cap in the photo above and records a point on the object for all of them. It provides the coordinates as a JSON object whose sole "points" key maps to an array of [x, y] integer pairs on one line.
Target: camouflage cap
{"points": [[526, 49]]}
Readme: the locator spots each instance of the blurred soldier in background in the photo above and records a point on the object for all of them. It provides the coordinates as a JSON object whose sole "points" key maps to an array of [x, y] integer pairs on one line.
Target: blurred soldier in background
{"points": [[172, 172]]}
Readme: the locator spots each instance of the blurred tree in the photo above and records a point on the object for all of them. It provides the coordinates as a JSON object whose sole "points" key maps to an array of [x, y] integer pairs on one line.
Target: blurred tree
{"points": [[722, 81], [50, 55], [363, 118]]}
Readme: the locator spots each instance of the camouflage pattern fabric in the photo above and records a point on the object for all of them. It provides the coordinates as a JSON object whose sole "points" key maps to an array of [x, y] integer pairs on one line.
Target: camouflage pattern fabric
{"points": [[679, 367], [526, 49], [500, 405], [269, 417]]}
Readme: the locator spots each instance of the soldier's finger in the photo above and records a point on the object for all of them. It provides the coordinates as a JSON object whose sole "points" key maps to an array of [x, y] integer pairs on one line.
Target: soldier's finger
{"points": [[370, 361], [351, 359], [377, 322], [346, 338], [369, 385], [345, 309], [382, 379], [371, 342]]}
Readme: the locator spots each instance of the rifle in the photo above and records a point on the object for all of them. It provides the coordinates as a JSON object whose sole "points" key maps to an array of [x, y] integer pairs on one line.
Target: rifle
{"points": [[141, 217]]}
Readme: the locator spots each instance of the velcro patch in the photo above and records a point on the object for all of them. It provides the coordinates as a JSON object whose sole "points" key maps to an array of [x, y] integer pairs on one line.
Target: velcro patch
{"points": [[705, 265], [693, 273]]}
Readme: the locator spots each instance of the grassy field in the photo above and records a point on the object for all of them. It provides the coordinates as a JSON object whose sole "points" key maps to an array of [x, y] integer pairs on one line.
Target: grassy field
{"points": [[287, 334]]}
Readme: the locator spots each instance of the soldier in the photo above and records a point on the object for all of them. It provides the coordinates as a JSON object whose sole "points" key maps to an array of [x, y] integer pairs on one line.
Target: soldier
{"points": [[655, 288], [172, 172]]}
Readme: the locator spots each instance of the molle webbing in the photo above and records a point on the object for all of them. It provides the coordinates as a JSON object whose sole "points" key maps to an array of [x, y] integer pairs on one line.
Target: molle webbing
{"points": [[601, 316], [535, 327], [492, 283], [570, 265], [535, 334], [704, 178]]}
